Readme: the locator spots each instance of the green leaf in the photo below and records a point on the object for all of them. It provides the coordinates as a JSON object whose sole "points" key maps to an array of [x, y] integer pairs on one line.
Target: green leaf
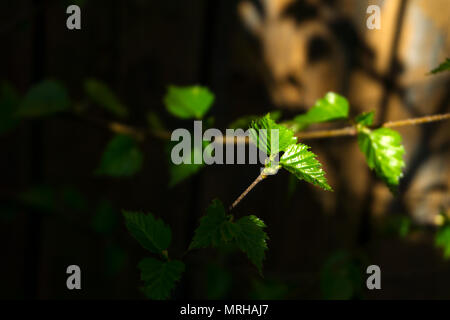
{"points": [[365, 118], [121, 158], [105, 218], [304, 165], [340, 277], [181, 172], [188, 102], [268, 290], [331, 107], [39, 197], [246, 121], [442, 67], [43, 99], [160, 277], [384, 153], [115, 258], [9, 102], [151, 233], [263, 139], [74, 199], [442, 240], [251, 239], [102, 95], [154, 122], [214, 228], [398, 225]]}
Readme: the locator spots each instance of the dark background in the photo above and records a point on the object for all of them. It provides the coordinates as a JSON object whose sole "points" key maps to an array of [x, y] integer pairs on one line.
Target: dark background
{"points": [[138, 48]]}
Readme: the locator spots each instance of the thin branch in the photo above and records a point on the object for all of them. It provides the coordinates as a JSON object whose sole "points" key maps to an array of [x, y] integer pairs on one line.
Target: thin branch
{"points": [[250, 187], [351, 131], [416, 121], [141, 133]]}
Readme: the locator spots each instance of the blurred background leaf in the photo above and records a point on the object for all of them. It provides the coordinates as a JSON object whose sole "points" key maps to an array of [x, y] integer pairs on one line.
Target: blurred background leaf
{"points": [[188, 102], [266, 289], [121, 158], [340, 277], [9, 102], [105, 219], [45, 98], [219, 281], [104, 97]]}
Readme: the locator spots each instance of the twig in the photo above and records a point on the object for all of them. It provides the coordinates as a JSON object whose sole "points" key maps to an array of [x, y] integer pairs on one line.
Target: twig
{"points": [[416, 121], [141, 133], [250, 187], [351, 131]]}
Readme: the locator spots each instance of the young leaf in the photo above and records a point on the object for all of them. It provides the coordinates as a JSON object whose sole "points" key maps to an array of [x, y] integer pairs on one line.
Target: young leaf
{"points": [[246, 121], [384, 153], [9, 101], [151, 233], [214, 228], [160, 277], [365, 118], [261, 135], [304, 165], [188, 102], [121, 158], [442, 67], [251, 239], [331, 107], [442, 240], [43, 99], [104, 97]]}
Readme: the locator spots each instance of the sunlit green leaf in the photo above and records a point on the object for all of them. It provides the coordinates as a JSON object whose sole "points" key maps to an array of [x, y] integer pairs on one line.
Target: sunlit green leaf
{"points": [[384, 153], [442, 240], [188, 102], [153, 234], [365, 118], [121, 158], [304, 165], [160, 277], [331, 107], [246, 121], [262, 131], [103, 96], [442, 67], [9, 102], [43, 99]]}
